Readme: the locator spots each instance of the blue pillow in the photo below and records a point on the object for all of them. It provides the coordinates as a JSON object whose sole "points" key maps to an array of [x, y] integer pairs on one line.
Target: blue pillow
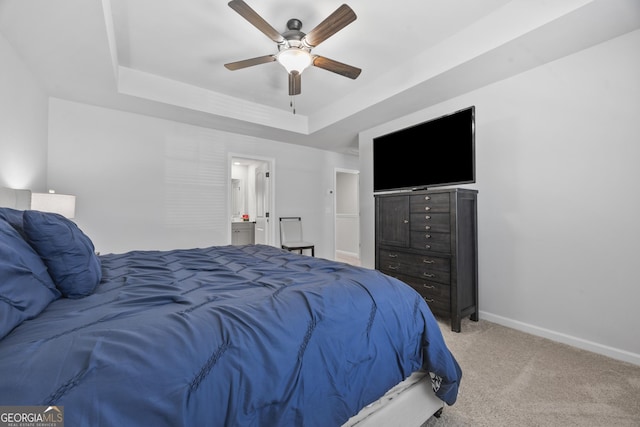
{"points": [[13, 217], [66, 250], [25, 286]]}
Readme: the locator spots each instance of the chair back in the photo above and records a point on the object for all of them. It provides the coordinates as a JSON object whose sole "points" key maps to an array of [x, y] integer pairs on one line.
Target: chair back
{"points": [[290, 229]]}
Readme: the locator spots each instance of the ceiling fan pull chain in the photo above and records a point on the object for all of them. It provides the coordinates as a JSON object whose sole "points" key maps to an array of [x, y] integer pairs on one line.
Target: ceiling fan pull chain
{"points": [[292, 104]]}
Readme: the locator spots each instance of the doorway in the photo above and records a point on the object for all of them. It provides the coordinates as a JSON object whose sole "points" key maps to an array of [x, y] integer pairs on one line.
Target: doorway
{"points": [[347, 216], [251, 195]]}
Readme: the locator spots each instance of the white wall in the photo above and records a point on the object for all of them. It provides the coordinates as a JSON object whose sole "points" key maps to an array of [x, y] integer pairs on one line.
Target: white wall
{"points": [[23, 124], [557, 152], [148, 183]]}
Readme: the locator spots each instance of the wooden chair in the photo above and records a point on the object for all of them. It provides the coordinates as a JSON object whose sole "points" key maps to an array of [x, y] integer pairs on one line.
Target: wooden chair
{"points": [[291, 235]]}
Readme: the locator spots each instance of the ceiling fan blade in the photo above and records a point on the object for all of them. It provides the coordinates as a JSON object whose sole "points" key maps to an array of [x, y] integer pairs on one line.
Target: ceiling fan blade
{"points": [[339, 19], [256, 20], [336, 67], [250, 62], [295, 83]]}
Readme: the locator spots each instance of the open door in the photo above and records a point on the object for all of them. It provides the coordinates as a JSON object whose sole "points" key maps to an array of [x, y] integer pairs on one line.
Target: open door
{"points": [[263, 188], [347, 216]]}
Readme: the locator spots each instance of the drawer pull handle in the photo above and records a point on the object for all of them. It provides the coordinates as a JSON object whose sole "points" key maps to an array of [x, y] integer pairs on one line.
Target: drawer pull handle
{"points": [[428, 261], [427, 236], [428, 286], [427, 227], [427, 217], [427, 246], [429, 275], [393, 267], [405, 221], [427, 198], [393, 255], [429, 300], [427, 208]]}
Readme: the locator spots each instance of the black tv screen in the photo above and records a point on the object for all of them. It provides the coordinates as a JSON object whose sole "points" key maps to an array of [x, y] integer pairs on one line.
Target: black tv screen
{"points": [[434, 153]]}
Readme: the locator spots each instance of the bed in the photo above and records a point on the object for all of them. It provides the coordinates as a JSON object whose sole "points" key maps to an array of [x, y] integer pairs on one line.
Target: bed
{"points": [[220, 336]]}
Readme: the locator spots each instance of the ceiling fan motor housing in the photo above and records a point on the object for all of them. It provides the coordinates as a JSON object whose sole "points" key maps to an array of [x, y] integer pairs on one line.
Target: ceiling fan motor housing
{"points": [[294, 24], [293, 35]]}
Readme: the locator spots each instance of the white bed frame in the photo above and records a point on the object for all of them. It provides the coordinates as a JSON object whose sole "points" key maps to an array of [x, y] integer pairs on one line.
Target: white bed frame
{"points": [[409, 404]]}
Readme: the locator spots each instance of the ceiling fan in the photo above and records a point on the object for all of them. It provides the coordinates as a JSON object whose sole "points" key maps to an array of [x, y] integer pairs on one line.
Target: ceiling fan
{"points": [[294, 46]]}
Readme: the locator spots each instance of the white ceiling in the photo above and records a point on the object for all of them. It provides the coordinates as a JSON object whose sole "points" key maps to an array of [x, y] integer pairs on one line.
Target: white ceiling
{"points": [[165, 57]]}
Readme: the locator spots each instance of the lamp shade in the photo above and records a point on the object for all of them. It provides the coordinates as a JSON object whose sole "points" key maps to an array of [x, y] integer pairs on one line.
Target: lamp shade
{"points": [[294, 59], [62, 204]]}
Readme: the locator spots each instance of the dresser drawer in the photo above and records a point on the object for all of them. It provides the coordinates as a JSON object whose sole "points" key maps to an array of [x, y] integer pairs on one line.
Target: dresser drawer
{"points": [[420, 273], [430, 241], [391, 257], [438, 202], [436, 295], [430, 222]]}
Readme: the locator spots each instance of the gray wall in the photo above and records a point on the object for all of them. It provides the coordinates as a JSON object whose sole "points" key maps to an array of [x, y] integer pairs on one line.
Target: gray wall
{"points": [[148, 183], [23, 124], [557, 152]]}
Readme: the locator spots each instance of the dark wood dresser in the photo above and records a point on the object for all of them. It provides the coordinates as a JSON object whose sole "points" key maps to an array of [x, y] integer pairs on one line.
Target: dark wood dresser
{"points": [[429, 240]]}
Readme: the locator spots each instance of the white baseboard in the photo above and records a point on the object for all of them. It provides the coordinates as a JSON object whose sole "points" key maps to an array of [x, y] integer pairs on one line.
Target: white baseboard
{"points": [[347, 254], [614, 353]]}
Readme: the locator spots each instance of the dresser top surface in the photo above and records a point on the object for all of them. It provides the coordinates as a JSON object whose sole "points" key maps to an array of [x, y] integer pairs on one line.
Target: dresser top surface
{"points": [[428, 191]]}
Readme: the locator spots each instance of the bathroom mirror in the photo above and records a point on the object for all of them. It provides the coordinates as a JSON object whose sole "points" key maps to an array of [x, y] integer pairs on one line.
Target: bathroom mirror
{"points": [[237, 198]]}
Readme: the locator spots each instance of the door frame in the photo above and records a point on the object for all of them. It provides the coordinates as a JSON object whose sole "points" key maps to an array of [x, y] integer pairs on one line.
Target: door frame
{"points": [[271, 162]]}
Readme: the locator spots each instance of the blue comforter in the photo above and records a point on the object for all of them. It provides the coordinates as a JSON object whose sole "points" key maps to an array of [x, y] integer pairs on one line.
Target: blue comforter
{"points": [[224, 336]]}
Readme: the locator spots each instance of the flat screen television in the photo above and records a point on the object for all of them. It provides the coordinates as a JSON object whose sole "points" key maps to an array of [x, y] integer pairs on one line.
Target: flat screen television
{"points": [[434, 153]]}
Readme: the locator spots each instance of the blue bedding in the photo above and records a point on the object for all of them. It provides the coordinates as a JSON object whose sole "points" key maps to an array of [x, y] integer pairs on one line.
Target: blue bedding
{"points": [[224, 336]]}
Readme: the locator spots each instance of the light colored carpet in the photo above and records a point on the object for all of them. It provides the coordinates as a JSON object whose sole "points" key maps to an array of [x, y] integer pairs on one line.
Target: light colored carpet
{"points": [[510, 378]]}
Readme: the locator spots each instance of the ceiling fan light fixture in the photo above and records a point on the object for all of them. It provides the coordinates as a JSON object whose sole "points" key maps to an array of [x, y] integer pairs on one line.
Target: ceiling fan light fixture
{"points": [[294, 59]]}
